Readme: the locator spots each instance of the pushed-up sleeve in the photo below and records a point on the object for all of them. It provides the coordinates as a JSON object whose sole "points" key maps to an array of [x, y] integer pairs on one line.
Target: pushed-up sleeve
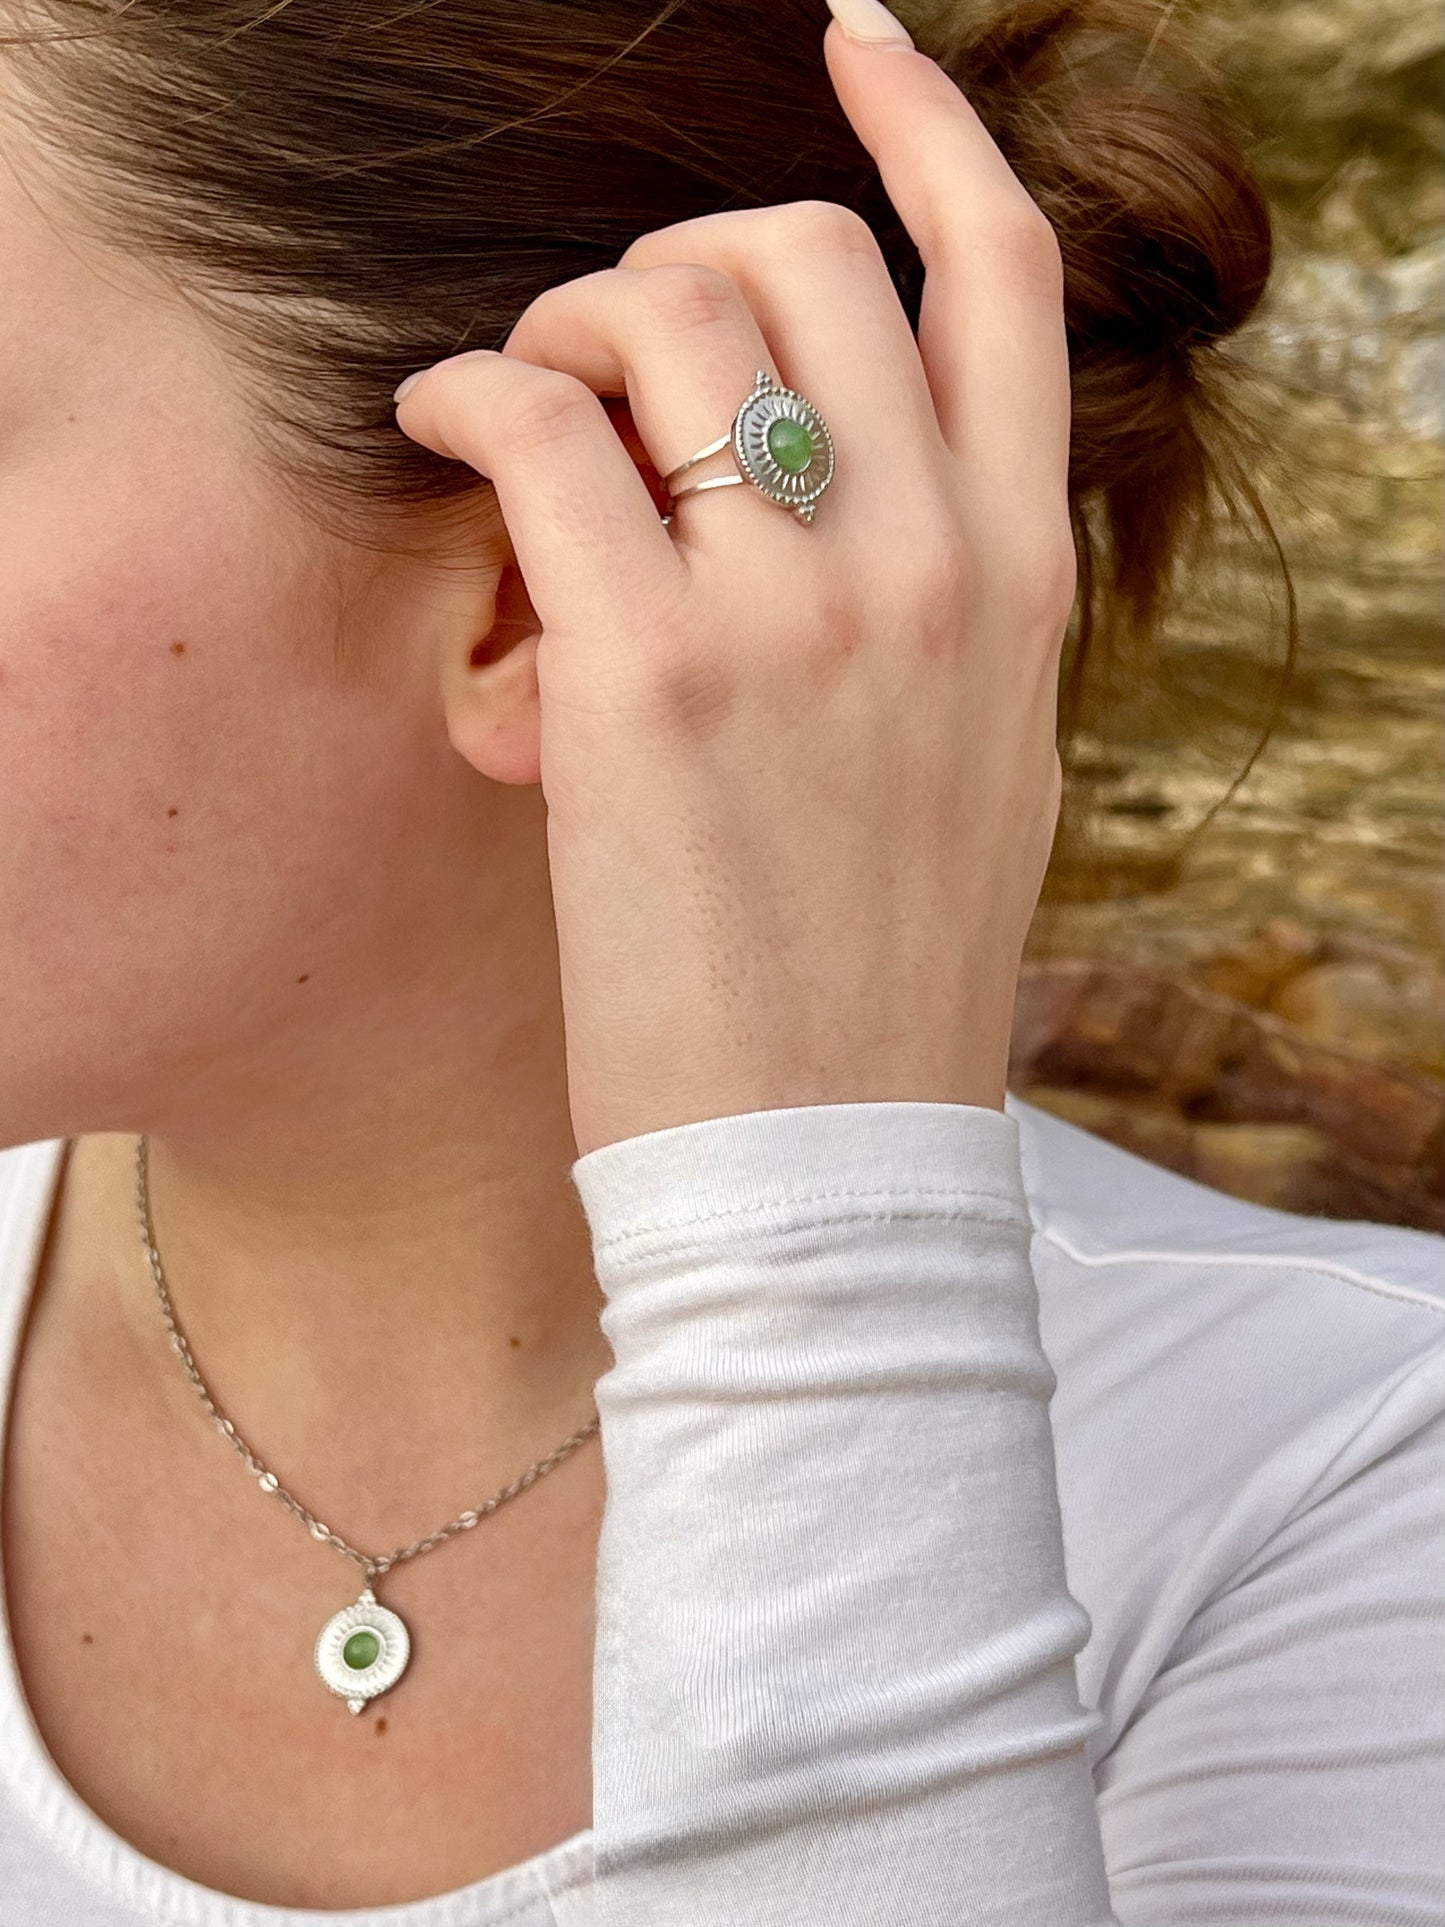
{"points": [[834, 1674]]}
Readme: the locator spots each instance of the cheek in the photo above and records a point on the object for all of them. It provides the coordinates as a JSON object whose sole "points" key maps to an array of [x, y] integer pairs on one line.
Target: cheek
{"points": [[174, 824], [124, 712]]}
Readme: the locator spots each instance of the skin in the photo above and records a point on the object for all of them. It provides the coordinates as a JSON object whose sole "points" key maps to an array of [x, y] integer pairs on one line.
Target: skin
{"points": [[327, 987], [279, 925], [802, 782], [740, 815]]}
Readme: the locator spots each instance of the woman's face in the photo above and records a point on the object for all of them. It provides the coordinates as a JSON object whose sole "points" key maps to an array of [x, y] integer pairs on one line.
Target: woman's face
{"points": [[201, 825]]}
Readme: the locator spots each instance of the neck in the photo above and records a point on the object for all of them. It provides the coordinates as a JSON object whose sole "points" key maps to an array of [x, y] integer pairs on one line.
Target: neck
{"points": [[366, 1221]]}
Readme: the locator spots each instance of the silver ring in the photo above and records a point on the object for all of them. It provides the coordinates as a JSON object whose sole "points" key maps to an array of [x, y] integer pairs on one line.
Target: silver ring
{"points": [[782, 447]]}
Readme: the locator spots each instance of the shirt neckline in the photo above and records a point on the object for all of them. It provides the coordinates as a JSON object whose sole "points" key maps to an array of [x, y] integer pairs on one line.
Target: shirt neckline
{"points": [[89, 1847]]}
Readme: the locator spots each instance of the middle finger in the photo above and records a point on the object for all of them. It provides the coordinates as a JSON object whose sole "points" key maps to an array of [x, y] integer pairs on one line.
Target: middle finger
{"points": [[815, 277], [801, 288]]}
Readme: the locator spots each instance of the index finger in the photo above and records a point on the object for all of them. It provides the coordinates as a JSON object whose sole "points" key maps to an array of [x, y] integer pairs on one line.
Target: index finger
{"points": [[589, 541], [991, 325]]}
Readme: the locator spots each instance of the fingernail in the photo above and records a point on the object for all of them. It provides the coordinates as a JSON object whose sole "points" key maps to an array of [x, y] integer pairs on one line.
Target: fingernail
{"points": [[410, 383], [870, 23]]}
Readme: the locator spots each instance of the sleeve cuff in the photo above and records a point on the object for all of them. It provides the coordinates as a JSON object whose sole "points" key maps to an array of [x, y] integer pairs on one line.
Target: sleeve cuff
{"points": [[667, 1189]]}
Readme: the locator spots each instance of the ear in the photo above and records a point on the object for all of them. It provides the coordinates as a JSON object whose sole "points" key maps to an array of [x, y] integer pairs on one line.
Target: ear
{"points": [[492, 703], [493, 710]]}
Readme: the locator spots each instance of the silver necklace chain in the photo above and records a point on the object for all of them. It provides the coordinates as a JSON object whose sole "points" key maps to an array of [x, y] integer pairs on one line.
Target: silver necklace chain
{"points": [[372, 1568]]}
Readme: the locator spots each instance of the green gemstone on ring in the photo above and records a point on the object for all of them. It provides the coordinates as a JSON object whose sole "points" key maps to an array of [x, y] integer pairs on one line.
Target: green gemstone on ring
{"points": [[361, 1649], [790, 445]]}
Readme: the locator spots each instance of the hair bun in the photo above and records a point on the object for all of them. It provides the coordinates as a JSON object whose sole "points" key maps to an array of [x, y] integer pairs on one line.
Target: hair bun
{"points": [[1166, 241]]}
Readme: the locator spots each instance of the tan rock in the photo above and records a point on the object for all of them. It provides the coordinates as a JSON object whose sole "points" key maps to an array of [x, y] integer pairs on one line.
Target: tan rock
{"points": [[1275, 1164], [1389, 1014], [1122, 1028], [1242, 1099], [1382, 1113], [1255, 970]]}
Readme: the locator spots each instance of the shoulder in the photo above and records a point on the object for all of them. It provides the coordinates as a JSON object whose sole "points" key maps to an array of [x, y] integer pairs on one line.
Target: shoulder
{"points": [[1193, 1266], [1222, 1368], [1098, 1205]]}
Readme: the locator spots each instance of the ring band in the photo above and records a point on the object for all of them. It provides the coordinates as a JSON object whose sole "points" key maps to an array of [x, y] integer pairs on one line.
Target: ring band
{"points": [[782, 447]]}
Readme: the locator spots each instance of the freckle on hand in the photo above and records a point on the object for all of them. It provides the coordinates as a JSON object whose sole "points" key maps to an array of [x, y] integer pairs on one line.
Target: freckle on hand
{"points": [[304, 980], [172, 812], [178, 648]]}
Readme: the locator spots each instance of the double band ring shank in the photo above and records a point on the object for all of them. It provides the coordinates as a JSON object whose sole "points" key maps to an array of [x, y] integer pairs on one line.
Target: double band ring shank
{"points": [[782, 447], [693, 488]]}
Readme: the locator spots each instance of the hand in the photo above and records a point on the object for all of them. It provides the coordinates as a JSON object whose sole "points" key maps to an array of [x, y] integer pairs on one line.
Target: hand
{"points": [[801, 781]]}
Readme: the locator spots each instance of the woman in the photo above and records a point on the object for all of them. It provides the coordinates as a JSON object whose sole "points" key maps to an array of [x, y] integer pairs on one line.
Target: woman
{"points": [[474, 948]]}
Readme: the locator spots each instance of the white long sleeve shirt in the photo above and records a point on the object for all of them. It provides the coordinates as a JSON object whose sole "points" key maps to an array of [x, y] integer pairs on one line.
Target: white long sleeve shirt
{"points": [[1000, 1531]]}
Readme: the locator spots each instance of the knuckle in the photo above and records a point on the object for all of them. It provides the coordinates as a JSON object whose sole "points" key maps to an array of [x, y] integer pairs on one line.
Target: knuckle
{"points": [[1023, 237], [1040, 579], [561, 297], [684, 295], [547, 406], [1055, 583], [938, 565], [821, 227]]}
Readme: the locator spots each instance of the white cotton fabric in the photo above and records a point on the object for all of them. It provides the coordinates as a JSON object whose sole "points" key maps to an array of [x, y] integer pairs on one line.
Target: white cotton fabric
{"points": [[1000, 1531]]}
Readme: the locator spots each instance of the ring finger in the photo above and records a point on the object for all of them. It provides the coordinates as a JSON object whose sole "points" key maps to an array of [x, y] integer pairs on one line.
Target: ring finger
{"points": [[683, 342], [678, 340]]}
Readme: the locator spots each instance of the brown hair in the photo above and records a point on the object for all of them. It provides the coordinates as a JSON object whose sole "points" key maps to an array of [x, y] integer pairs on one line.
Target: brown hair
{"points": [[352, 189]]}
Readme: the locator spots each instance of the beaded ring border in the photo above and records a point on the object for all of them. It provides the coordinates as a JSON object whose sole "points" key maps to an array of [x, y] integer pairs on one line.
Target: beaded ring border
{"points": [[782, 447]]}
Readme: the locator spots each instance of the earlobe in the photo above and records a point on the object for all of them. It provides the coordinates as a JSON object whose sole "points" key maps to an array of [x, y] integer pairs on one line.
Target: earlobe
{"points": [[493, 708]]}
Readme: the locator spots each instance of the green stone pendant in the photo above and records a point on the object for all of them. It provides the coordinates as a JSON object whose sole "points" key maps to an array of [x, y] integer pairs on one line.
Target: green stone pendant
{"points": [[362, 1651]]}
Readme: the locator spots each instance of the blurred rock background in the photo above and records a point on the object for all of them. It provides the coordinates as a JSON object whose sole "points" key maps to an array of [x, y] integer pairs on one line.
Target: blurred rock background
{"points": [[1258, 1000]]}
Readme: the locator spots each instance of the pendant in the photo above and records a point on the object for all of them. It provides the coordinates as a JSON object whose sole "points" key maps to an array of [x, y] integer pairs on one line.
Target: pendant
{"points": [[362, 1650]]}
